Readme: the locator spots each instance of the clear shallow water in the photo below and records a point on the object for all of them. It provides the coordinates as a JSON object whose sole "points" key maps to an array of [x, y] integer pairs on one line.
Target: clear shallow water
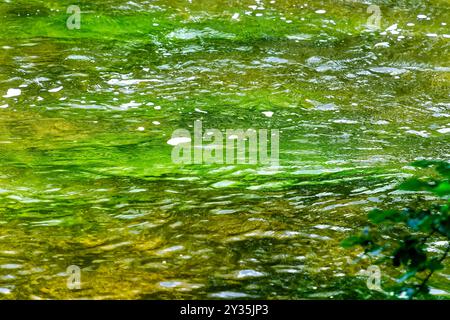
{"points": [[87, 179]]}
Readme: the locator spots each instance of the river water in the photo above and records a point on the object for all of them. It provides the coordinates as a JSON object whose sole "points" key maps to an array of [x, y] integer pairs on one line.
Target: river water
{"points": [[87, 177]]}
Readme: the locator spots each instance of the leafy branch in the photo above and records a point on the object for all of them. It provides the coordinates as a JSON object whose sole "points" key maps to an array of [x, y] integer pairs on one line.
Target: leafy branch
{"points": [[414, 228]]}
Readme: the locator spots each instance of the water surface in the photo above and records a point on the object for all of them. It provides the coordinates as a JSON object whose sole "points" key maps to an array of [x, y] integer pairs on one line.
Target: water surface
{"points": [[86, 175]]}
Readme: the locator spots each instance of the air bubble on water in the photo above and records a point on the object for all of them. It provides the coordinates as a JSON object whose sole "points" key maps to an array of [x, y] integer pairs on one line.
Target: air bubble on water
{"points": [[200, 111], [393, 27], [382, 45], [55, 89], [249, 273], [12, 93], [444, 130], [178, 140]]}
